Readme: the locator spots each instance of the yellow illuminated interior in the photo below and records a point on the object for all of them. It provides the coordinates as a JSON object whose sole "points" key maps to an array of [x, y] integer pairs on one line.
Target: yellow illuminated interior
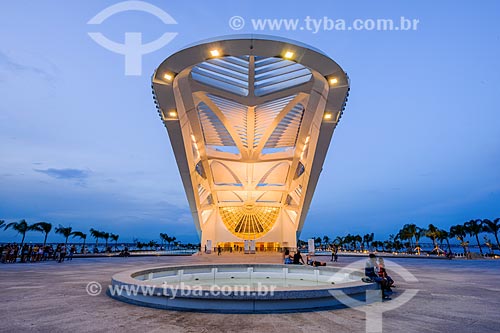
{"points": [[249, 221]]}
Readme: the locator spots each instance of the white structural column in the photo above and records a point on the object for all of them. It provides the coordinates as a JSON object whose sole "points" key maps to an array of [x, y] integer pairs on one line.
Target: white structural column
{"points": [[250, 119]]}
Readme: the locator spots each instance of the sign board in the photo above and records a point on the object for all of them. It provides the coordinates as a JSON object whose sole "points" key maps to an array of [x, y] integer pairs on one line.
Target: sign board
{"points": [[310, 246]]}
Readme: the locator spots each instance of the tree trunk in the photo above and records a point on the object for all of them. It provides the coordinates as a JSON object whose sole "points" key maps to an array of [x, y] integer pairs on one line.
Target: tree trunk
{"points": [[479, 244], [45, 239]]}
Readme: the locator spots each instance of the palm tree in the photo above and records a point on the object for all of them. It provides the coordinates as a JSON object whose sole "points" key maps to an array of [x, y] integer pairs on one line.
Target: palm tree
{"points": [[459, 232], [338, 241], [419, 232], [169, 239], [442, 236], [106, 235], [348, 241], [492, 227], [96, 234], [376, 244], [412, 230], [21, 227], [432, 233], [317, 240], [65, 231], [357, 239], [81, 235], [368, 238], [44, 227], [114, 238], [152, 244], [474, 228], [405, 235], [326, 240], [387, 245], [163, 238]]}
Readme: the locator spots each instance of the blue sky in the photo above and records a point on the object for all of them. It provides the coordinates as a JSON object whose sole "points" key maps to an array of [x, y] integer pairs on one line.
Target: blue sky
{"points": [[81, 144]]}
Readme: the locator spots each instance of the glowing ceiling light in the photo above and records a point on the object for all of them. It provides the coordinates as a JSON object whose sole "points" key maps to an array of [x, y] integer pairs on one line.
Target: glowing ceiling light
{"points": [[288, 55], [215, 53], [333, 80], [168, 76], [172, 114], [327, 116]]}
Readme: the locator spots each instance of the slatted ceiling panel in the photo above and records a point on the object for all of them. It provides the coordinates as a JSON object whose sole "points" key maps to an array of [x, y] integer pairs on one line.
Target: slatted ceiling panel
{"points": [[232, 74], [264, 65], [298, 191], [227, 73], [279, 75], [201, 190], [275, 74], [285, 134], [235, 113], [214, 132], [265, 114]]}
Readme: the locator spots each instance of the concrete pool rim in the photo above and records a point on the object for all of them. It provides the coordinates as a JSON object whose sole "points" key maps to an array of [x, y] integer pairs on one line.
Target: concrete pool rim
{"points": [[282, 299]]}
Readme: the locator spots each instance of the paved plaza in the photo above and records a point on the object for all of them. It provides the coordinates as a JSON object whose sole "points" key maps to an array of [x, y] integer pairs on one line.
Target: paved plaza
{"points": [[454, 296]]}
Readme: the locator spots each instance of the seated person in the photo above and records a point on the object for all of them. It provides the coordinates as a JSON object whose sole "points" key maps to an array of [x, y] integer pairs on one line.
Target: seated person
{"points": [[371, 272], [383, 273], [287, 258], [314, 263], [297, 258]]}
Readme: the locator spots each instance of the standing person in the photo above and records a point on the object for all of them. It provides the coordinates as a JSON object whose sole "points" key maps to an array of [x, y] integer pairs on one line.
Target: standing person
{"points": [[58, 252], [333, 252], [218, 250], [40, 253], [72, 251], [14, 250], [25, 253], [63, 253], [336, 255], [46, 253], [4, 253]]}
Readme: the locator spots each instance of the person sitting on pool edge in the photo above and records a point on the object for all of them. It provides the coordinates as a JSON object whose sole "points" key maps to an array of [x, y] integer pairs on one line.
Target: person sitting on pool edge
{"points": [[314, 263], [383, 274], [371, 272], [287, 258], [297, 258]]}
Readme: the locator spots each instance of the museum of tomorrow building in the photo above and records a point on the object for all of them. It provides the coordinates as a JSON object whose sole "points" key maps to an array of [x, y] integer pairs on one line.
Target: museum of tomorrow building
{"points": [[250, 119]]}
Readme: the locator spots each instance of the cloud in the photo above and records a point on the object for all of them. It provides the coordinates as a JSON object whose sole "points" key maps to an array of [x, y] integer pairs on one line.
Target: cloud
{"points": [[71, 174], [11, 65]]}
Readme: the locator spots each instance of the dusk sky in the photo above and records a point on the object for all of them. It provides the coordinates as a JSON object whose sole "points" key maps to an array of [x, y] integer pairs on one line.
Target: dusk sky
{"points": [[81, 143]]}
